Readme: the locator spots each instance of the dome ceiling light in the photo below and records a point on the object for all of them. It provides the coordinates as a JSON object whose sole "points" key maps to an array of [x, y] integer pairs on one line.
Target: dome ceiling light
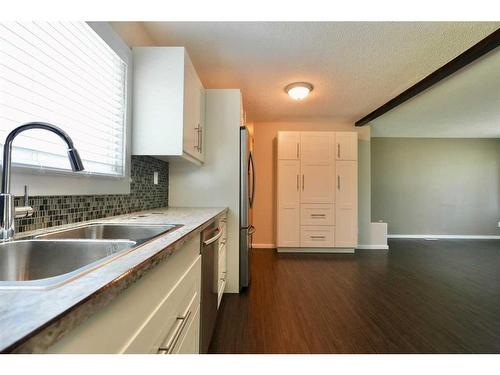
{"points": [[298, 90]]}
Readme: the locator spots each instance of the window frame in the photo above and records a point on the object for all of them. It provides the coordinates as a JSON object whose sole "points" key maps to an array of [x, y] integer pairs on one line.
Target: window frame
{"points": [[60, 182]]}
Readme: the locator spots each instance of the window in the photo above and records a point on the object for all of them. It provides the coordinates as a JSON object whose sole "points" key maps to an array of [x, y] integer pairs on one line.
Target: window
{"points": [[65, 74]]}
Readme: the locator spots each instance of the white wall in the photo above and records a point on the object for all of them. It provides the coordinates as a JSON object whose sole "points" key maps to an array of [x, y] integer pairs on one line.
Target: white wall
{"points": [[215, 183]]}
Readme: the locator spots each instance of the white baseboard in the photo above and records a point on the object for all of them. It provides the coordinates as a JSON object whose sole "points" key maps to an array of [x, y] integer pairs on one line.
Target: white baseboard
{"points": [[372, 247], [328, 250], [263, 246], [444, 236]]}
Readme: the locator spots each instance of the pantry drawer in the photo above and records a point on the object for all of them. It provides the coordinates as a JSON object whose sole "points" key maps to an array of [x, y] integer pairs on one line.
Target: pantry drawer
{"points": [[317, 214], [317, 236]]}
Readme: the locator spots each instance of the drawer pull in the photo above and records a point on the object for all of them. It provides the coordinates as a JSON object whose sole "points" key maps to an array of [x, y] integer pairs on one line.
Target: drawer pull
{"points": [[318, 215], [214, 238], [317, 237], [181, 323]]}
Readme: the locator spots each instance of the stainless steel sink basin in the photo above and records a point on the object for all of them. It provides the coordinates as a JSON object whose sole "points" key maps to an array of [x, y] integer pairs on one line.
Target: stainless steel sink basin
{"points": [[109, 231], [42, 264]]}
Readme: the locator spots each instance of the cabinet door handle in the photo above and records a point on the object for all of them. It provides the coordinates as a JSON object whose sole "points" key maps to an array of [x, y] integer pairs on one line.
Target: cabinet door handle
{"points": [[181, 323], [303, 182], [297, 182], [200, 142], [338, 150], [338, 182], [197, 136], [318, 215], [297, 150], [317, 237]]}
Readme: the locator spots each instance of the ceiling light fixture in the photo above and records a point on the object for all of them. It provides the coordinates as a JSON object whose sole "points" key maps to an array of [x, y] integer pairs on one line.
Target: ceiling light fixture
{"points": [[298, 90]]}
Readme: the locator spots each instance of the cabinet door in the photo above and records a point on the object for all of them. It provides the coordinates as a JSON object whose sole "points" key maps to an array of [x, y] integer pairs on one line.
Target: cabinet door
{"points": [[346, 207], [346, 146], [288, 145], [317, 185], [288, 183], [288, 203], [201, 131], [288, 227], [193, 107], [317, 147], [317, 167]]}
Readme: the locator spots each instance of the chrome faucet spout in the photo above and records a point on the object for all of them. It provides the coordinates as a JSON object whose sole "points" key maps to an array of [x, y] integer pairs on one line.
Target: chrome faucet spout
{"points": [[7, 212]]}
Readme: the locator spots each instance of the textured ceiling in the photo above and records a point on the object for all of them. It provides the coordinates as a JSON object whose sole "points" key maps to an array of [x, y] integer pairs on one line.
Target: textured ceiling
{"points": [[465, 105], [354, 66]]}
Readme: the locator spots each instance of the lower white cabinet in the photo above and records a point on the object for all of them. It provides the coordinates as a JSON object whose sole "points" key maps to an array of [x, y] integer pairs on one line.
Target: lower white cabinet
{"points": [[158, 314]]}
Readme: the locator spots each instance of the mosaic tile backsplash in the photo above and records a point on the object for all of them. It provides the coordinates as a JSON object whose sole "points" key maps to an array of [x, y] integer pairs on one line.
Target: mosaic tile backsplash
{"points": [[56, 210]]}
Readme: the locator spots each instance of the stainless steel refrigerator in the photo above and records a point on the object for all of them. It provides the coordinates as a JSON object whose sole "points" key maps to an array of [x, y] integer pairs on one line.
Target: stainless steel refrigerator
{"points": [[247, 196]]}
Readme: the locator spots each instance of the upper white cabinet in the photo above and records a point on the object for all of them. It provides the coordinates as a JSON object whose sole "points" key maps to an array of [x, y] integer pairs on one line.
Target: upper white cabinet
{"points": [[289, 145], [346, 146], [317, 165], [168, 105]]}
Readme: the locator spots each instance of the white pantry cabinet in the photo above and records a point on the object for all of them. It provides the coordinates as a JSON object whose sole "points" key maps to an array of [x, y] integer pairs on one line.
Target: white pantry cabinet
{"points": [[168, 105], [157, 314], [317, 191]]}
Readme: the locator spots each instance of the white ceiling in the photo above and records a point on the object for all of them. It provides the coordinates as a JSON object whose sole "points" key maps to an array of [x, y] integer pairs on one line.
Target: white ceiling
{"points": [[354, 66], [465, 105]]}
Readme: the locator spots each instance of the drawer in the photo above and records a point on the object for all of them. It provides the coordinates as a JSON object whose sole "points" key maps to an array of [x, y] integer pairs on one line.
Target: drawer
{"points": [[317, 236], [317, 214], [168, 321], [185, 335]]}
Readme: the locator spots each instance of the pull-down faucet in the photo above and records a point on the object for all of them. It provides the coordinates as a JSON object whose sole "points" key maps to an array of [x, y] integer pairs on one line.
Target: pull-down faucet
{"points": [[7, 211]]}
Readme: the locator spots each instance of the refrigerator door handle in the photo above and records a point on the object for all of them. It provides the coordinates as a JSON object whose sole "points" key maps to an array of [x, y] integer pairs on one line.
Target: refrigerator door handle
{"points": [[252, 167]]}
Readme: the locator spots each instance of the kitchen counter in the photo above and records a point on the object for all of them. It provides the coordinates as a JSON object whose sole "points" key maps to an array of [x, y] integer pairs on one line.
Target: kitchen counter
{"points": [[32, 320]]}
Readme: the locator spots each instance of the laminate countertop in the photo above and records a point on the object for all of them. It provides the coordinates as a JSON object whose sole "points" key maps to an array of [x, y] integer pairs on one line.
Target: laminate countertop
{"points": [[32, 320]]}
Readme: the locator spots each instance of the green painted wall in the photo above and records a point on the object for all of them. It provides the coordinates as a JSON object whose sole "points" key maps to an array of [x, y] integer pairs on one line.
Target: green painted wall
{"points": [[436, 186]]}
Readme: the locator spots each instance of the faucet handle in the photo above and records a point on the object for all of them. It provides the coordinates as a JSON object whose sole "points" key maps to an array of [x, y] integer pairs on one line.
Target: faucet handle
{"points": [[26, 210], [26, 198], [22, 212]]}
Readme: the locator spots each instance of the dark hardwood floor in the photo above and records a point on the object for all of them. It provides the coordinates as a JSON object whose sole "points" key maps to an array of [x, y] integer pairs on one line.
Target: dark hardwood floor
{"points": [[419, 297]]}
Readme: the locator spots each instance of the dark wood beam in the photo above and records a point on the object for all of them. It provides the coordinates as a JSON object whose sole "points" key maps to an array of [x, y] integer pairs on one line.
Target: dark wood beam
{"points": [[486, 45]]}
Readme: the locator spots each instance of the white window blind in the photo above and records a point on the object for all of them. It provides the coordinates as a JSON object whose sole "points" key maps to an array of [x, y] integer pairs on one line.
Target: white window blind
{"points": [[62, 73]]}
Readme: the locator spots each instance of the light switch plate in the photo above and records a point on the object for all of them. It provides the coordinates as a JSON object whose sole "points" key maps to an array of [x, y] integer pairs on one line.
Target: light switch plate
{"points": [[155, 178]]}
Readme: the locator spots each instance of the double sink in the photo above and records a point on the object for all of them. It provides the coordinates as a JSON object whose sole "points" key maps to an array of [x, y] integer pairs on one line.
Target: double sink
{"points": [[52, 259]]}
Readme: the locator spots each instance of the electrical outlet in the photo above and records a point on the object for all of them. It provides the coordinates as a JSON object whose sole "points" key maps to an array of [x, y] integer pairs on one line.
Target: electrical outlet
{"points": [[499, 224], [155, 178]]}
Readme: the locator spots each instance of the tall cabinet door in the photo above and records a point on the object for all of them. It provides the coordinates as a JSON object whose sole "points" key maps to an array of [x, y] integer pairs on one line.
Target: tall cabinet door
{"points": [[346, 207], [317, 167], [288, 233], [288, 145]]}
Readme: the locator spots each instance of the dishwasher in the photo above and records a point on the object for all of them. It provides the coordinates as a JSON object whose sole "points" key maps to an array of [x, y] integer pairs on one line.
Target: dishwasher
{"points": [[209, 283]]}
